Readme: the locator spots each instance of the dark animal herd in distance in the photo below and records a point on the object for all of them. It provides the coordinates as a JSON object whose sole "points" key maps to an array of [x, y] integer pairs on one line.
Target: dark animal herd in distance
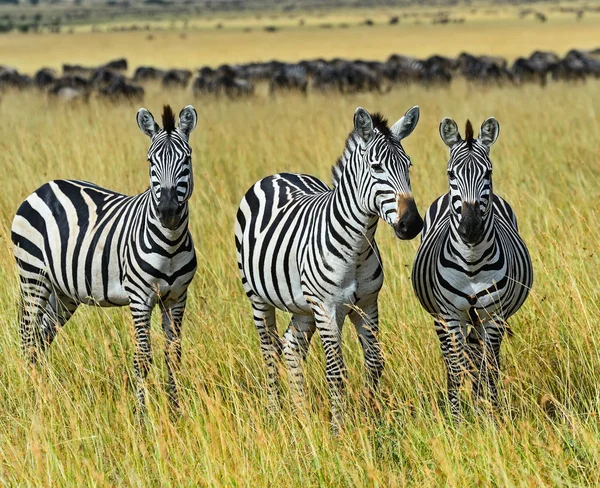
{"points": [[319, 75]]}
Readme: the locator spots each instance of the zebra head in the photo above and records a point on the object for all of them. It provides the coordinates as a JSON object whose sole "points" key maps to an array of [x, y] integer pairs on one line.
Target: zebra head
{"points": [[170, 157], [386, 187], [470, 177]]}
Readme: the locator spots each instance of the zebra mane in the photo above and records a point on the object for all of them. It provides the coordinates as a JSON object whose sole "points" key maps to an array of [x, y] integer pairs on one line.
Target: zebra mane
{"points": [[469, 134], [380, 123], [168, 119]]}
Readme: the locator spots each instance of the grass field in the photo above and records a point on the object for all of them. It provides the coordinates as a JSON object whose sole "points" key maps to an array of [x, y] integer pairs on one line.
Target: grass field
{"points": [[71, 422]]}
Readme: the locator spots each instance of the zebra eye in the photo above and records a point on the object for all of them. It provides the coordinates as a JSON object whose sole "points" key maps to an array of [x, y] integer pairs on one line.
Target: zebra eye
{"points": [[451, 175], [488, 174], [377, 168]]}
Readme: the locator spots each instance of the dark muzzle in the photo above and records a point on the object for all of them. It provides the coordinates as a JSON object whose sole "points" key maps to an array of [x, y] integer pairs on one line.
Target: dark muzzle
{"points": [[169, 210], [410, 222], [471, 227]]}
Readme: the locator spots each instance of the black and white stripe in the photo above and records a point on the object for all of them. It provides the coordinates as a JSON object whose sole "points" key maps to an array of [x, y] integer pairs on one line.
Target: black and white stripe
{"points": [[76, 242], [310, 250], [472, 270]]}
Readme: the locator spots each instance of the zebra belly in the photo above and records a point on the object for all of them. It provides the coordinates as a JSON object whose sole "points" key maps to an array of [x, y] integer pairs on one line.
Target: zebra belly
{"points": [[271, 235]]}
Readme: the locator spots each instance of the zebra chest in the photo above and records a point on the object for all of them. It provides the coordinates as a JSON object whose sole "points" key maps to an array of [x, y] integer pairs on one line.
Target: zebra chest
{"points": [[160, 276], [482, 289]]}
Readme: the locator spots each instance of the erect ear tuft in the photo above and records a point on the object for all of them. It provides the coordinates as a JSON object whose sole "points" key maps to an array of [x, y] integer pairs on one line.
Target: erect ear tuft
{"points": [[404, 127], [490, 129], [146, 122], [363, 124], [188, 118], [449, 132]]}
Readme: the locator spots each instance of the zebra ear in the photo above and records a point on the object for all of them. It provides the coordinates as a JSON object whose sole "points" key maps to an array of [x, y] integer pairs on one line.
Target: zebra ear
{"points": [[188, 118], [404, 127], [490, 129], [146, 122], [449, 132], [363, 124]]}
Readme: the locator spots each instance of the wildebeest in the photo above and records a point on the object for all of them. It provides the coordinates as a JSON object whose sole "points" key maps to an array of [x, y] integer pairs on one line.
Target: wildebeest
{"points": [[44, 77], [289, 77], [148, 73], [176, 78], [11, 78], [120, 88]]}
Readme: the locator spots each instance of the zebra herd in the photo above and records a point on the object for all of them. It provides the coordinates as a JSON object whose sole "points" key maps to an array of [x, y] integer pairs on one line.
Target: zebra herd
{"points": [[302, 247]]}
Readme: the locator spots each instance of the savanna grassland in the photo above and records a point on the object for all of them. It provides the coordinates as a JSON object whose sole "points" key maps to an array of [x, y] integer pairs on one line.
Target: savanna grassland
{"points": [[71, 422]]}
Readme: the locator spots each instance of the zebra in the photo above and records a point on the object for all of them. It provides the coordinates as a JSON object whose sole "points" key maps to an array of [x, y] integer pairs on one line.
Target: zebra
{"points": [[472, 270], [307, 249], [75, 242]]}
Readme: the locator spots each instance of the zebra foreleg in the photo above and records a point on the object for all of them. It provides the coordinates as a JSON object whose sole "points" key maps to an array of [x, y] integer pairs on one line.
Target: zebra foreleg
{"points": [[475, 345], [451, 333], [172, 319], [329, 323], [494, 332], [366, 323], [270, 345], [296, 341], [142, 358]]}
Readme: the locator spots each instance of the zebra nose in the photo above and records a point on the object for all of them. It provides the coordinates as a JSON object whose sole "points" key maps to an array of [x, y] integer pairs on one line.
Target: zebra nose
{"points": [[471, 227], [168, 207], [410, 223]]}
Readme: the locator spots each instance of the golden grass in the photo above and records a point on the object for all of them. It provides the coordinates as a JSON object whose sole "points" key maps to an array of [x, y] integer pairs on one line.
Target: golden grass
{"points": [[70, 423], [202, 44]]}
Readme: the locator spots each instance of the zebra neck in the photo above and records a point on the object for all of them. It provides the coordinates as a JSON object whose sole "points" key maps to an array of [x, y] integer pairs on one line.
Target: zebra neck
{"points": [[480, 253], [153, 229], [347, 217]]}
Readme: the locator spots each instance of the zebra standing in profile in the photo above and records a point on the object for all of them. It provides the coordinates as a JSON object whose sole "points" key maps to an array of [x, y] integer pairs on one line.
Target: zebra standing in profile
{"points": [[76, 242], [310, 250], [472, 270]]}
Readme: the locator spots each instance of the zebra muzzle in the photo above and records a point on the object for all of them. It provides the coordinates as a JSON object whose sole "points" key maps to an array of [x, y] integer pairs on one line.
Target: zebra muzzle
{"points": [[471, 226], [169, 210], [409, 223]]}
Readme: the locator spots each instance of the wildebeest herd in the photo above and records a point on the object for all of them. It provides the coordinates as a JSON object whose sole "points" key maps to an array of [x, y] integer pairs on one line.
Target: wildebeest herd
{"points": [[337, 75]]}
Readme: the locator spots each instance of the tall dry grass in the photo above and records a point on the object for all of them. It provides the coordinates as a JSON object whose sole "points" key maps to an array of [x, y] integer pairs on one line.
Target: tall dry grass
{"points": [[71, 421]]}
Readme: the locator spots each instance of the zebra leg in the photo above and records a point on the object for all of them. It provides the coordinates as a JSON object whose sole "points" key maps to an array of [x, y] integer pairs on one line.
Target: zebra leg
{"points": [[34, 298], [366, 323], [59, 310], [142, 358], [329, 323], [451, 333], [475, 344], [295, 347], [270, 345], [172, 318], [493, 334]]}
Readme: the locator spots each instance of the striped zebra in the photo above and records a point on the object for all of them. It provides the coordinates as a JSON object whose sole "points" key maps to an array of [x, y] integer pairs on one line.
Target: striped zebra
{"points": [[310, 250], [472, 270], [76, 242]]}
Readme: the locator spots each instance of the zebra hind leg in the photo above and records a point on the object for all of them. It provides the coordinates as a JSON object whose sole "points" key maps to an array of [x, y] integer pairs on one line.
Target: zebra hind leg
{"points": [[296, 341], [270, 345], [35, 292], [59, 310]]}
